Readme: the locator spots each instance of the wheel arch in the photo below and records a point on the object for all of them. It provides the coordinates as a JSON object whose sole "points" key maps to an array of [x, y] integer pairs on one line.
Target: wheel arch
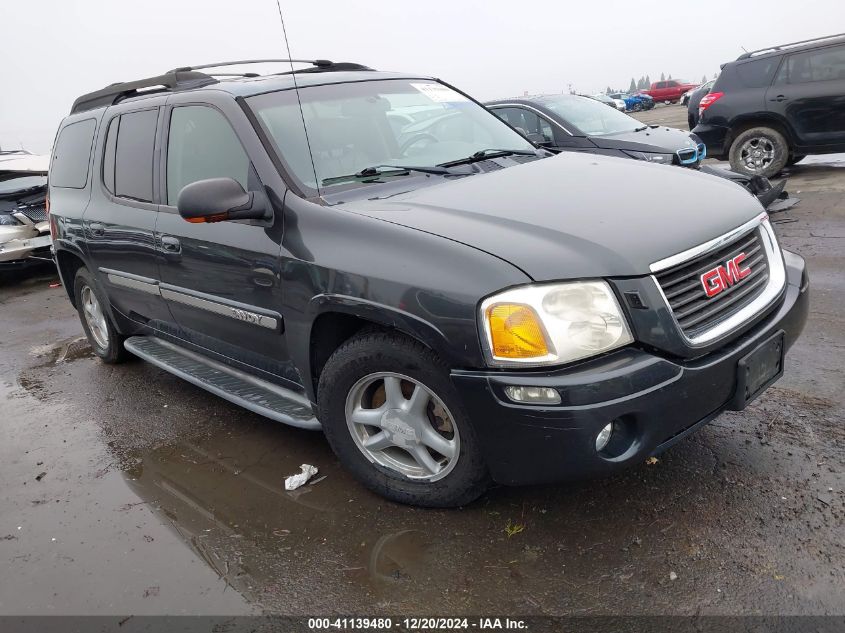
{"points": [[339, 318], [68, 262], [746, 122]]}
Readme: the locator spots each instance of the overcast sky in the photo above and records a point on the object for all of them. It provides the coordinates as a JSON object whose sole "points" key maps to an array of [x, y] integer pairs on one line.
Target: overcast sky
{"points": [[55, 50]]}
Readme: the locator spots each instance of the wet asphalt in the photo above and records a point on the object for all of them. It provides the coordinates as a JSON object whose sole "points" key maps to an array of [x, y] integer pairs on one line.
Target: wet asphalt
{"points": [[126, 490]]}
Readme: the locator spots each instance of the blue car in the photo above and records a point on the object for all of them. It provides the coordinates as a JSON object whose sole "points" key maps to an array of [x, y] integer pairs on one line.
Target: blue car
{"points": [[634, 102]]}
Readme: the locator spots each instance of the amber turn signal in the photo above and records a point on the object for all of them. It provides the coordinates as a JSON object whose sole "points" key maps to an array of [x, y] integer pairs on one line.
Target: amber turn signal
{"points": [[516, 331]]}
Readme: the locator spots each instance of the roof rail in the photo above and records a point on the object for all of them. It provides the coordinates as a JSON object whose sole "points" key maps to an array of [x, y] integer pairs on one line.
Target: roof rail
{"points": [[111, 94], [188, 77], [313, 62], [781, 47]]}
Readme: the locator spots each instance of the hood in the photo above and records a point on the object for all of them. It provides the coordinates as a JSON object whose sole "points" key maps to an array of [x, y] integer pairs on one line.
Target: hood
{"points": [[574, 215], [659, 139]]}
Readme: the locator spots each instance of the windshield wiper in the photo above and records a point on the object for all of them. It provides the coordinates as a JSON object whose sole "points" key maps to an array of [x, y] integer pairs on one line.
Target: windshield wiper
{"points": [[640, 129], [484, 154], [386, 170]]}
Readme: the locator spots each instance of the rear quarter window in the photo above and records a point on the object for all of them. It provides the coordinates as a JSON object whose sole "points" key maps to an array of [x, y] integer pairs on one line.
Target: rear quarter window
{"points": [[757, 73], [72, 155]]}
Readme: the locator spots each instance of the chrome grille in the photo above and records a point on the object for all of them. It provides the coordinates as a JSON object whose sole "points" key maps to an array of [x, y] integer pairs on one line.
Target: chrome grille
{"points": [[682, 285]]}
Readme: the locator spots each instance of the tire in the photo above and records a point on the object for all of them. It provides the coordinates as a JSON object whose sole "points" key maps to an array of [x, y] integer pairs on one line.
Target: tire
{"points": [[351, 376], [772, 145], [795, 158], [105, 340], [690, 122]]}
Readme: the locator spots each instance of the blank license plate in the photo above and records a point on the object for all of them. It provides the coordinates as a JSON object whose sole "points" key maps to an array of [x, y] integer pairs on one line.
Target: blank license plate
{"points": [[759, 369]]}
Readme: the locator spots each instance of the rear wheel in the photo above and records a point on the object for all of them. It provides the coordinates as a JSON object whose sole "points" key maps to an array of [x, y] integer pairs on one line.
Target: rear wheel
{"points": [[759, 151], [106, 342], [395, 421]]}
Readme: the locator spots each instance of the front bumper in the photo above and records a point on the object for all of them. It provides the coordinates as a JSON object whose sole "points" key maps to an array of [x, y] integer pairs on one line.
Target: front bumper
{"points": [[714, 137], [658, 400], [15, 250]]}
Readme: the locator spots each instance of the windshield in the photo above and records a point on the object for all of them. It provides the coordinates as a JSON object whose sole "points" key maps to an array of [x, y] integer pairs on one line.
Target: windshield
{"points": [[589, 116], [353, 126], [15, 181]]}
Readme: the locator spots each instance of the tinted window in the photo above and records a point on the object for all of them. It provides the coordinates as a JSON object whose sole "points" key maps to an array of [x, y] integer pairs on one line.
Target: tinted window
{"points": [[202, 145], [108, 154], [757, 73], [526, 121], [72, 155], [133, 162], [824, 64], [661, 84]]}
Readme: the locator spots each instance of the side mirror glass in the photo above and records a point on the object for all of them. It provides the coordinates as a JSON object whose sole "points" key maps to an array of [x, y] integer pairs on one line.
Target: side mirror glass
{"points": [[220, 199]]}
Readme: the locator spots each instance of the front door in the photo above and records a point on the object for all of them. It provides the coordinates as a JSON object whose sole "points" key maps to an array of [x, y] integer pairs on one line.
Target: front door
{"points": [[221, 280], [809, 92]]}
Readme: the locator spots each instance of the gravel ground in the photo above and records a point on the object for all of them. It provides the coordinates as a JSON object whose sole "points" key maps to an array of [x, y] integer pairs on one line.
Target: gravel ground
{"points": [[127, 490]]}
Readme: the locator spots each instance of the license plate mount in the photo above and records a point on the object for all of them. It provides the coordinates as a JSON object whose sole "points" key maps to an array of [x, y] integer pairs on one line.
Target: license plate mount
{"points": [[757, 370]]}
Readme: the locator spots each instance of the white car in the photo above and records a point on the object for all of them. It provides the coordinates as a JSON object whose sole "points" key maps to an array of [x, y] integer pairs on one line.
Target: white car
{"points": [[24, 227]]}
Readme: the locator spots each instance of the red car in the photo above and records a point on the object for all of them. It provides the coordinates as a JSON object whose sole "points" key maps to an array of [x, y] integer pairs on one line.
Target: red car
{"points": [[669, 90]]}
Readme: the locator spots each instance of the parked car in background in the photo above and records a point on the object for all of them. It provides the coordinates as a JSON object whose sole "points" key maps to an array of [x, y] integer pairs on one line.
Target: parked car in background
{"points": [[670, 90], [451, 309], [24, 229], [574, 123], [770, 108], [694, 99], [634, 102], [617, 104]]}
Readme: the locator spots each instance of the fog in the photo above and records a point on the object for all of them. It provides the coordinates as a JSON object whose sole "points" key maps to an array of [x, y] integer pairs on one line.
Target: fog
{"points": [[53, 51]]}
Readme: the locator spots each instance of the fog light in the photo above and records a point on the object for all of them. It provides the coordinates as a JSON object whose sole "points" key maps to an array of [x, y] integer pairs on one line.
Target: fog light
{"points": [[533, 395], [604, 437]]}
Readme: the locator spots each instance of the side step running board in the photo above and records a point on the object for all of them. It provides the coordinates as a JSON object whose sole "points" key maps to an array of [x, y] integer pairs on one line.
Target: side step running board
{"points": [[260, 396]]}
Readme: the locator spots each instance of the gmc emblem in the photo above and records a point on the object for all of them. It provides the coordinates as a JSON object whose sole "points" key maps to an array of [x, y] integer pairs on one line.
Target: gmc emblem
{"points": [[722, 277]]}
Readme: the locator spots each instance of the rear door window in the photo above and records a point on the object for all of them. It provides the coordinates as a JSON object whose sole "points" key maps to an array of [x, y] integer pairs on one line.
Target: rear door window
{"points": [[133, 158], [825, 64], [72, 154], [201, 144]]}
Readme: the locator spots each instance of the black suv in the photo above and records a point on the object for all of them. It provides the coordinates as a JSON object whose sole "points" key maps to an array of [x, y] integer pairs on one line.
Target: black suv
{"points": [[378, 256], [770, 108]]}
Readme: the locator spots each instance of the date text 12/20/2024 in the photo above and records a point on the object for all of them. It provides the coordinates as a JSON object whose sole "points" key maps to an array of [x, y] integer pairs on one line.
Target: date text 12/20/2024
{"points": [[416, 624]]}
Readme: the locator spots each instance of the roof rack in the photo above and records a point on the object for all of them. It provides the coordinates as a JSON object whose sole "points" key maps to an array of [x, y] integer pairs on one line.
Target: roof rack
{"points": [[111, 94], [188, 77], [781, 47]]}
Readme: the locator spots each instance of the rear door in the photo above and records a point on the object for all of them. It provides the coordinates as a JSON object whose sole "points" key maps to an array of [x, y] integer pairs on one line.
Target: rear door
{"points": [[221, 280], [809, 91], [119, 223]]}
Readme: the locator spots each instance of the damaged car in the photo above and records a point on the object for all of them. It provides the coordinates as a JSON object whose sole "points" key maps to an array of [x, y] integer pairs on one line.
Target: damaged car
{"points": [[451, 306], [24, 228], [574, 123]]}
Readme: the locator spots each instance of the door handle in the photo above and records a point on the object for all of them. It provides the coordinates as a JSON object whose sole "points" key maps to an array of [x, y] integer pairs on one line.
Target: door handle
{"points": [[97, 228], [170, 244], [778, 98]]}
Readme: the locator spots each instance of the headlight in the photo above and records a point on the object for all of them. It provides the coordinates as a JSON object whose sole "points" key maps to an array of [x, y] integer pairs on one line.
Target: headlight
{"points": [[552, 324], [666, 159]]}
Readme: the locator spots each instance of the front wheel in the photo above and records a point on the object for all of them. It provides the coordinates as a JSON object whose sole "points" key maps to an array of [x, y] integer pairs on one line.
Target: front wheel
{"points": [[395, 421], [106, 342], [759, 151]]}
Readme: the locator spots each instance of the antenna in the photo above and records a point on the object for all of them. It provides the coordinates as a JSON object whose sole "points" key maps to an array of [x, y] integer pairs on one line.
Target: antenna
{"points": [[298, 99]]}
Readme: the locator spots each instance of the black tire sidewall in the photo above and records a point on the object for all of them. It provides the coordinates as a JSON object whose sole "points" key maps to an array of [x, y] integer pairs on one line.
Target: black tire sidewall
{"points": [[779, 143], [377, 352], [114, 352]]}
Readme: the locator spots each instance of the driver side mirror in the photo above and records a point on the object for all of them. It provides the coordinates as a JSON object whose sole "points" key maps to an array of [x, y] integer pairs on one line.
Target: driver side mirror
{"points": [[220, 199]]}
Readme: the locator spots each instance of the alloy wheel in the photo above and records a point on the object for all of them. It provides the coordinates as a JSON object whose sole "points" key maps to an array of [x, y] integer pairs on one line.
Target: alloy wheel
{"points": [[94, 317], [400, 424]]}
